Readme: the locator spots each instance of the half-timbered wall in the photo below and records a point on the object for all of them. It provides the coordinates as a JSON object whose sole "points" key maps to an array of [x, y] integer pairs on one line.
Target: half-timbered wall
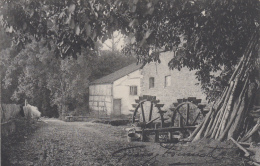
{"points": [[101, 98]]}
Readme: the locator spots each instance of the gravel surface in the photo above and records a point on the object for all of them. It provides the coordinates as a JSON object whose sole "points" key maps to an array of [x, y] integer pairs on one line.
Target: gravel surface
{"points": [[58, 143], [61, 143]]}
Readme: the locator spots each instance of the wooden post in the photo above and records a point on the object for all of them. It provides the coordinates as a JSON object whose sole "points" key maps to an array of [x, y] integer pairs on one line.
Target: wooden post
{"points": [[142, 136], [188, 112], [151, 111], [142, 108], [181, 122], [155, 125], [156, 139], [162, 123], [170, 136], [173, 117], [161, 115]]}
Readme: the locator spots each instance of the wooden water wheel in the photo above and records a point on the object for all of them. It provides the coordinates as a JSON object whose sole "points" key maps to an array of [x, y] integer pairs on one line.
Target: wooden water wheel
{"points": [[145, 117], [187, 112]]}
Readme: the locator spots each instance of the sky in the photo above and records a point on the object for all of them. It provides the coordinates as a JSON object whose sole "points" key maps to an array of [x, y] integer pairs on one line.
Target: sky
{"points": [[118, 36]]}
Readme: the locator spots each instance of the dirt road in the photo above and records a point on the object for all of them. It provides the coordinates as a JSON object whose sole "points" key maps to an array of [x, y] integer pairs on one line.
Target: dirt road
{"points": [[61, 143]]}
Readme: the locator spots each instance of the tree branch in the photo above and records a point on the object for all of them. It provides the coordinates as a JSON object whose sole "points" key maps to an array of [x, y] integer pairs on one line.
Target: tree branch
{"points": [[117, 41], [108, 45]]}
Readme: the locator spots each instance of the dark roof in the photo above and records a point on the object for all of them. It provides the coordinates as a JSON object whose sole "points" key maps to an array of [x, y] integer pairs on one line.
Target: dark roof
{"points": [[117, 74]]}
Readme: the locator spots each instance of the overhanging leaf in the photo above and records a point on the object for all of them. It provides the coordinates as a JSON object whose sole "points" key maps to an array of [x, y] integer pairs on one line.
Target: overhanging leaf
{"points": [[72, 23], [77, 29], [72, 8], [147, 34], [134, 23], [88, 29], [68, 19], [49, 23], [61, 14], [133, 40]]}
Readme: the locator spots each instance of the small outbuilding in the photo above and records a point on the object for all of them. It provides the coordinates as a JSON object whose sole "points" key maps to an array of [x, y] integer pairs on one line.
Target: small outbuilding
{"points": [[115, 93]]}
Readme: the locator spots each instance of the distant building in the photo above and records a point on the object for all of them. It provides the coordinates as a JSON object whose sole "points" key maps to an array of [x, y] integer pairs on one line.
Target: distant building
{"points": [[115, 93], [169, 85]]}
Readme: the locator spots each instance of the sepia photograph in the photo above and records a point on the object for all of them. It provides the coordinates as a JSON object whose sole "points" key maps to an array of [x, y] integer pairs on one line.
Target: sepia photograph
{"points": [[130, 82]]}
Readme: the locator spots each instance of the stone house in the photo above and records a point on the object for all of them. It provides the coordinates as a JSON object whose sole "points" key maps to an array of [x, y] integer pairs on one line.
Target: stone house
{"points": [[169, 85], [115, 93]]}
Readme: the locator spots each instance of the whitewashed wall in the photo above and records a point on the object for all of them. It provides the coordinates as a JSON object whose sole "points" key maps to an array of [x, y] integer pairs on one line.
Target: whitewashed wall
{"points": [[121, 90]]}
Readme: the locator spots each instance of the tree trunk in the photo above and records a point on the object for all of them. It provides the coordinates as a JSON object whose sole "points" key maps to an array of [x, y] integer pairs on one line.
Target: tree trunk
{"points": [[60, 111], [64, 107], [228, 114]]}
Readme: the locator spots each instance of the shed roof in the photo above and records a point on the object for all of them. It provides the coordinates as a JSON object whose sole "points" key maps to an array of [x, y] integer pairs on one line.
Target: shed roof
{"points": [[117, 74]]}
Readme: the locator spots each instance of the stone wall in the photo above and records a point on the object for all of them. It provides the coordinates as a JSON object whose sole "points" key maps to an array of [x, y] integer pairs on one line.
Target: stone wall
{"points": [[183, 82]]}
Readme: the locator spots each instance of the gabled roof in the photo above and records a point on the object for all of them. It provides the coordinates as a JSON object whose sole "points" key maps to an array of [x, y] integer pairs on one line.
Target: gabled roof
{"points": [[117, 74]]}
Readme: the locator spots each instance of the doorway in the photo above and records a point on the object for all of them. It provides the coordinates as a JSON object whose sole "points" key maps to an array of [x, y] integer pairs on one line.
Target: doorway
{"points": [[117, 106]]}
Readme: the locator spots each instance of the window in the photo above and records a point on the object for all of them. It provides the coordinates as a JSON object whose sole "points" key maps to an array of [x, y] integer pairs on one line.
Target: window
{"points": [[167, 81], [133, 90], [151, 82]]}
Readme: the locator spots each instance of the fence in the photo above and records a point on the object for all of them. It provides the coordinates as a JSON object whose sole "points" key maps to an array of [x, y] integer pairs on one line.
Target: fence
{"points": [[9, 112]]}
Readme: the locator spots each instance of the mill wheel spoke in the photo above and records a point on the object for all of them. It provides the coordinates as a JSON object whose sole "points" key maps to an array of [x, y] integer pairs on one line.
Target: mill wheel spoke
{"points": [[142, 108], [188, 113], [151, 111]]}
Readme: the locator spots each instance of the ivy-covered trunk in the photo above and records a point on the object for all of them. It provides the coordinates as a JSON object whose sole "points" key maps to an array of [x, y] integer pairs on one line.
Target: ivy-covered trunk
{"points": [[63, 111], [64, 106], [228, 116]]}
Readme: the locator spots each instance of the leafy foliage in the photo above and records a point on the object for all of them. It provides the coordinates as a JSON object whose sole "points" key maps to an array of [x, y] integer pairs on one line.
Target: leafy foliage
{"points": [[209, 35], [69, 24], [108, 62], [50, 83], [35, 74]]}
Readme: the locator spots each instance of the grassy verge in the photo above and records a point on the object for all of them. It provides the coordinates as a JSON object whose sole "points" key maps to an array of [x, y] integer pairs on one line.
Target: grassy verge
{"points": [[23, 130]]}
